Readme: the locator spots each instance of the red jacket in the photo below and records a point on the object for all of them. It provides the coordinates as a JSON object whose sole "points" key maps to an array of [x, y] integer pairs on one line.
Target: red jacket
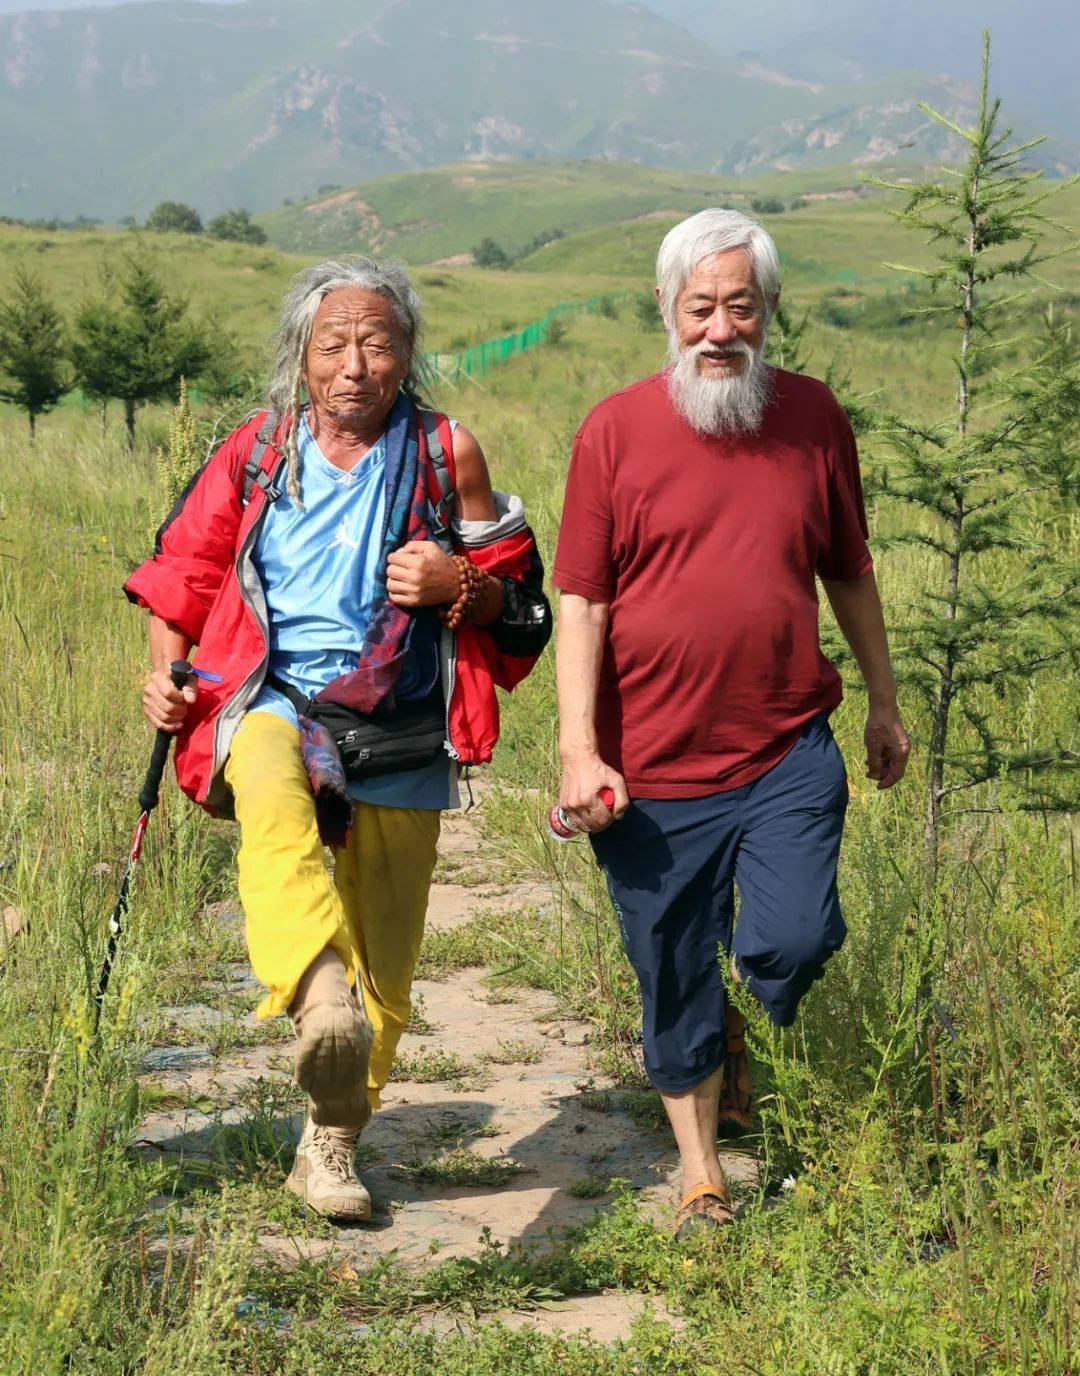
{"points": [[202, 579]]}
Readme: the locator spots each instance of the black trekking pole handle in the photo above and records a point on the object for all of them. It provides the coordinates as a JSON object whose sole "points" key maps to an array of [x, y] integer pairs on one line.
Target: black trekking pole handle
{"points": [[180, 672]]}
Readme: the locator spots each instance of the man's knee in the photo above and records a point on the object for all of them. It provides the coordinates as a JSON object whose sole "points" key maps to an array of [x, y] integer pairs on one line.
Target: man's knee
{"points": [[781, 970], [809, 942]]}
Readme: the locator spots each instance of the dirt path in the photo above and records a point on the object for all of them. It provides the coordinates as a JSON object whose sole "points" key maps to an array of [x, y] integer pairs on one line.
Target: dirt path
{"points": [[524, 1105]]}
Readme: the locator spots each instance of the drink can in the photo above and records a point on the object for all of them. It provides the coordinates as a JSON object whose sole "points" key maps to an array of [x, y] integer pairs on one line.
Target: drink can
{"points": [[561, 826]]}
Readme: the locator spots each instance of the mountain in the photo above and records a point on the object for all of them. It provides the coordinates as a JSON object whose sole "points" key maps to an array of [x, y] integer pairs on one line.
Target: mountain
{"points": [[106, 111], [852, 42]]}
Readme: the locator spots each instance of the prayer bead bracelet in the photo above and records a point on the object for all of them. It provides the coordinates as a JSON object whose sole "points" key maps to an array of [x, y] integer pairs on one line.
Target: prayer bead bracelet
{"points": [[472, 581]]}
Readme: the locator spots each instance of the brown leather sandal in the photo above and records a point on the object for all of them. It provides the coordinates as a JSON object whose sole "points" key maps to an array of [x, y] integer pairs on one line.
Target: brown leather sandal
{"points": [[705, 1206], [737, 1091]]}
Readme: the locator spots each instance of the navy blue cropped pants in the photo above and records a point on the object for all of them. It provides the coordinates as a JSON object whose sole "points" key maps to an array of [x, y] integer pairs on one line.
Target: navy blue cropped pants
{"points": [[670, 867]]}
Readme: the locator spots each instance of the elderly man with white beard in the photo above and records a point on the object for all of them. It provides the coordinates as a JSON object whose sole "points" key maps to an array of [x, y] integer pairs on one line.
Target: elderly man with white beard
{"points": [[701, 505]]}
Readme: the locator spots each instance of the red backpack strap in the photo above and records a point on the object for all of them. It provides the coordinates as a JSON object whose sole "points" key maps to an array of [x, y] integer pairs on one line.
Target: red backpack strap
{"points": [[436, 439]]}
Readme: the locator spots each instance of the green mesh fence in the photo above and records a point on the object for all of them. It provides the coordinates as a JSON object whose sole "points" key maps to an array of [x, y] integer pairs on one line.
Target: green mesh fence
{"points": [[481, 358]]}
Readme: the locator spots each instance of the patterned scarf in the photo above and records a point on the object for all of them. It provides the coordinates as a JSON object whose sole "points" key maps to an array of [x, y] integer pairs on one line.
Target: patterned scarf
{"points": [[334, 807], [390, 629]]}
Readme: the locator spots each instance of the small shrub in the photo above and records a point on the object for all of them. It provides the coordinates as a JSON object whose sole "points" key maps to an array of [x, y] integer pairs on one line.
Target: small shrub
{"points": [[588, 1186], [236, 225], [644, 1106], [461, 1166], [431, 1067], [556, 332], [514, 1052], [418, 1023], [489, 254], [174, 217]]}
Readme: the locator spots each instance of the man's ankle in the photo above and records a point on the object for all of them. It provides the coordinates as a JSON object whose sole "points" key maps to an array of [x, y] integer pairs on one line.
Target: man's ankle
{"points": [[713, 1175]]}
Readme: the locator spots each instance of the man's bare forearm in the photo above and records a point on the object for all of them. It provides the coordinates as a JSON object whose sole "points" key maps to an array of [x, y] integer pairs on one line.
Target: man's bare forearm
{"points": [[856, 605], [167, 642], [579, 650]]}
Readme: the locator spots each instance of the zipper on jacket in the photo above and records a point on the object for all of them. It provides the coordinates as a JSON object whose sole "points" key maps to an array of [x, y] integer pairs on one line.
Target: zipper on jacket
{"points": [[253, 597], [448, 656]]}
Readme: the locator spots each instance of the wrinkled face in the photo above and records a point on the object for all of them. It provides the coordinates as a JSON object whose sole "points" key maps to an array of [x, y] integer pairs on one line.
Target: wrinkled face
{"points": [[356, 360], [721, 313]]}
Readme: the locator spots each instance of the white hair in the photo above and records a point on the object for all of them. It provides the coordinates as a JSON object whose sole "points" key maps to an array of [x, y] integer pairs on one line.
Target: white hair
{"points": [[284, 394], [705, 234]]}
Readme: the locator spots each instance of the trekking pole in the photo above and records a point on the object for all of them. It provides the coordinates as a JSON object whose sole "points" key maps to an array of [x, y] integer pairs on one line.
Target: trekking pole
{"points": [[180, 671]]}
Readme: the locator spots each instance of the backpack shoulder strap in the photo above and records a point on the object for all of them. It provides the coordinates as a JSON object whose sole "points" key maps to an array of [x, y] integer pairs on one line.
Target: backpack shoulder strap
{"points": [[437, 448], [264, 463]]}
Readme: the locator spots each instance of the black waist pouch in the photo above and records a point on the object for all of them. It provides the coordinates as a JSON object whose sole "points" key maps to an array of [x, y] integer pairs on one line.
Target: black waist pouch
{"points": [[411, 735]]}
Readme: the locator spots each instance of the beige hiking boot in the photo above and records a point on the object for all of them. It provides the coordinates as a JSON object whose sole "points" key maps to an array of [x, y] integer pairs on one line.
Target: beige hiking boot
{"points": [[325, 1177], [333, 1044]]}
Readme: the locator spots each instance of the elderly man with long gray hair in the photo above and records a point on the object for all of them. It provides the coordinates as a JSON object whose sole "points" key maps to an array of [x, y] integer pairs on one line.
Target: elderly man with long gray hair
{"points": [[356, 590], [701, 505]]}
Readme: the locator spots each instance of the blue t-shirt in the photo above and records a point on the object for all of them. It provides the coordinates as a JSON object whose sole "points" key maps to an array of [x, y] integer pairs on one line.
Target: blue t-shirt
{"points": [[317, 566]]}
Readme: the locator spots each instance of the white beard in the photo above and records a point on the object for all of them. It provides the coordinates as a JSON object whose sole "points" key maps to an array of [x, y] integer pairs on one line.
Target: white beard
{"points": [[729, 405]]}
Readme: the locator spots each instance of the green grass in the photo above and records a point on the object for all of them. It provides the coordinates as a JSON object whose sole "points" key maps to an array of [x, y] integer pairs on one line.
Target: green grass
{"points": [[224, 1034], [588, 1186], [461, 1166], [515, 1051], [241, 286], [829, 244], [432, 1066], [430, 215], [483, 940]]}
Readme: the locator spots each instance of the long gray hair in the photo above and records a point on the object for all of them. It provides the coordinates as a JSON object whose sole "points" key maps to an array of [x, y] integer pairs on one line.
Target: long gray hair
{"points": [[284, 395]]}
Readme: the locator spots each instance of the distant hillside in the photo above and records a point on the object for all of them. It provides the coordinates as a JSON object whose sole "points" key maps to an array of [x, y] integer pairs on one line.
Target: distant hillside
{"points": [[427, 216], [834, 242], [106, 111], [853, 43]]}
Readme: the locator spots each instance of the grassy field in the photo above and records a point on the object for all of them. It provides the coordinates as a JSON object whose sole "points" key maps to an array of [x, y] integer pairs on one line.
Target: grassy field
{"points": [[917, 1212], [424, 216], [241, 286]]}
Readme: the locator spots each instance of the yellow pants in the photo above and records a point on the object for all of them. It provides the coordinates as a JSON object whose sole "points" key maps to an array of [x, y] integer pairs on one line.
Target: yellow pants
{"points": [[371, 911]]}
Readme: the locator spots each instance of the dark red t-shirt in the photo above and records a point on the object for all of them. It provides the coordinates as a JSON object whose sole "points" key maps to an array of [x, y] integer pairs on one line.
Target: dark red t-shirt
{"points": [[707, 550]]}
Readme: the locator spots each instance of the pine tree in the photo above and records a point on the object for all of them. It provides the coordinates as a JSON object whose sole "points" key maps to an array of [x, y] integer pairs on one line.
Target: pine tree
{"points": [[34, 374], [999, 608], [785, 343], [138, 347], [1059, 436]]}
